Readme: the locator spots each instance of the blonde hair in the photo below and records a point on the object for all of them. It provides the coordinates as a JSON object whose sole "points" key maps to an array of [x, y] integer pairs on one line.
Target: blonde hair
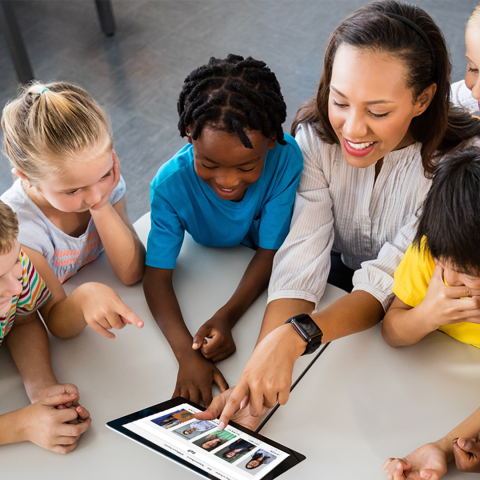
{"points": [[8, 228], [47, 124], [474, 20]]}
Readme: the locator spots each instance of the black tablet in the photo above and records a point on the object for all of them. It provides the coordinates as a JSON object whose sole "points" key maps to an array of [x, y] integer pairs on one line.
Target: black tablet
{"points": [[235, 453]]}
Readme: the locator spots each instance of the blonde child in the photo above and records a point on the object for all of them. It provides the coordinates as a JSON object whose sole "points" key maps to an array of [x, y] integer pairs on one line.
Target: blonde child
{"points": [[54, 420], [70, 201], [466, 93]]}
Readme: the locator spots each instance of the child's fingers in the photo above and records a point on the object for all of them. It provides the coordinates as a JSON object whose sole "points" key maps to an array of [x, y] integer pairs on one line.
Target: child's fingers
{"points": [[82, 412], [199, 339], [469, 445], [219, 379], [59, 399], [64, 449], [102, 331], [69, 430], [129, 316], [206, 395]]}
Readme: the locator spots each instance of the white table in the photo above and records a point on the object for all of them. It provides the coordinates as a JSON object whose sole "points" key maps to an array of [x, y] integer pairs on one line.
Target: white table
{"points": [[136, 370], [364, 402]]}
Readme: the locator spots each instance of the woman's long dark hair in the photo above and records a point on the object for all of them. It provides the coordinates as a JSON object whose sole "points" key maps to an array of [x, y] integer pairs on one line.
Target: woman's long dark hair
{"points": [[442, 127]]}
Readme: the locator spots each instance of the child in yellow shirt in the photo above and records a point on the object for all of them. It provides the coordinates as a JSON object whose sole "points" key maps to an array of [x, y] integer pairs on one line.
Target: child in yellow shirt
{"points": [[437, 284], [437, 287]]}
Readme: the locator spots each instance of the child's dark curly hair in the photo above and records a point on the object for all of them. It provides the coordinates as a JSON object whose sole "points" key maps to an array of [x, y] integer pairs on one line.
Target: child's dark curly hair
{"points": [[232, 95]]}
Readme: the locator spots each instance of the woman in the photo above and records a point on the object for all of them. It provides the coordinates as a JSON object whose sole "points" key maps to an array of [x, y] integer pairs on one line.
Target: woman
{"points": [[370, 139]]}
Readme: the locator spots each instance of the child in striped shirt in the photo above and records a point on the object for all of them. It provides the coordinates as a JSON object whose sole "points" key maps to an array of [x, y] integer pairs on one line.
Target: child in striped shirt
{"points": [[54, 420], [70, 202]]}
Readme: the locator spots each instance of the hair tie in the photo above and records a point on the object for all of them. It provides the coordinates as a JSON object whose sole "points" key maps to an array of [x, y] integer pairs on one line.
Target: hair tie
{"points": [[413, 25], [44, 89]]}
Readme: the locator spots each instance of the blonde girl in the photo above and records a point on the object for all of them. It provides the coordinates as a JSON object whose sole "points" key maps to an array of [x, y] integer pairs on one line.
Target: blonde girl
{"points": [[466, 93], [70, 201]]}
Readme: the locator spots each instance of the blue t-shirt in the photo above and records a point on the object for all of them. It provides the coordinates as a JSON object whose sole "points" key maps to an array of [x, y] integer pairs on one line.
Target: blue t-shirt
{"points": [[181, 201]]}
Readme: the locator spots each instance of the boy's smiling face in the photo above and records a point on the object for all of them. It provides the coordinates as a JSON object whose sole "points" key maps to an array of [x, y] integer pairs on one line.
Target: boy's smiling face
{"points": [[10, 272], [225, 164]]}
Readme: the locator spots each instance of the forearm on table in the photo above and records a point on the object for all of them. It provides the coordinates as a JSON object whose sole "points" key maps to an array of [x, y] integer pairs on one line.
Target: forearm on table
{"points": [[163, 304], [65, 318], [252, 285], [350, 314], [125, 252], [403, 327], [469, 428], [30, 349], [12, 427]]}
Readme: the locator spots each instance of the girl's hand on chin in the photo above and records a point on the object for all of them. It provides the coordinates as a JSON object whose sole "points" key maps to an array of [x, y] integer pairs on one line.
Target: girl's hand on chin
{"points": [[116, 178]]}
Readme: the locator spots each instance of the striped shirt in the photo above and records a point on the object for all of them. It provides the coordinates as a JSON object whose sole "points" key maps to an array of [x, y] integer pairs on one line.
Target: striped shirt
{"points": [[340, 207], [33, 296], [65, 254]]}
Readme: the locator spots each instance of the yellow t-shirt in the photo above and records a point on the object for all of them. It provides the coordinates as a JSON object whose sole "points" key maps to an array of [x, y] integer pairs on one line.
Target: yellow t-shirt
{"points": [[412, 277]]}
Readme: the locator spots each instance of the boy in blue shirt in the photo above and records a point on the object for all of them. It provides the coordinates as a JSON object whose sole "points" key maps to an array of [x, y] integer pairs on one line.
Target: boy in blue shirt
{"points": [[234, 183]]}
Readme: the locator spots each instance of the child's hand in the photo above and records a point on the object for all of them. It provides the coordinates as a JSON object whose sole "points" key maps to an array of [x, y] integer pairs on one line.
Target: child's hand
{"points": [[195, 378], [56, 389], [428, 462], [467, 454], [444, 305], [116, 178], [221, 345], [103, 309], [50, 425]]}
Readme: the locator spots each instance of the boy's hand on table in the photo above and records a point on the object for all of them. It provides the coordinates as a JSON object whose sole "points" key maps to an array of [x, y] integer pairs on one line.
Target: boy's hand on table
{"points": [[195, 378], [242, 416], [54, 428], [103, 309], [467, 454], [445, 305], [428, 462], [221, 345]]}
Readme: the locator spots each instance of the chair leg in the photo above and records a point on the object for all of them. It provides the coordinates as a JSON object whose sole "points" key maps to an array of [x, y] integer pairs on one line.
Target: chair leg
{"points": [[105, 14], [13, 38]]}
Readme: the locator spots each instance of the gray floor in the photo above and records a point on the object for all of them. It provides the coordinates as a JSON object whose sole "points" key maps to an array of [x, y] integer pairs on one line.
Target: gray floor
{"points": [[137, 74]]}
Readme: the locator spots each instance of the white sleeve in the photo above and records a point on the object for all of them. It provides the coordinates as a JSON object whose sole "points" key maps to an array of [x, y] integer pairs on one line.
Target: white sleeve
{"points": [[302, 264], [461, 96], [376, 276]]}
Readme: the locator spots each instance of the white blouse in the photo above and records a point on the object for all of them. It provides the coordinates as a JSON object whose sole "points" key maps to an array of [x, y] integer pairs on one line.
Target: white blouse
{"points": [[372, 223], [461, 96]]}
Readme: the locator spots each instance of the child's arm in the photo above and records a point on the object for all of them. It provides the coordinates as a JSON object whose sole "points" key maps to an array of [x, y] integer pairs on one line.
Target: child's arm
{"points": [[124, 250], [219, 327], [196, 374], [442, 305], [432, 458], [91, 304], [53, 404]]}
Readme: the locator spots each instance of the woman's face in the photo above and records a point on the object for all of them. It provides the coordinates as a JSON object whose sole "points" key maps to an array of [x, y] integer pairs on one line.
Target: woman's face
{"points": [[253, 464], [369, 107], [472, 79]]}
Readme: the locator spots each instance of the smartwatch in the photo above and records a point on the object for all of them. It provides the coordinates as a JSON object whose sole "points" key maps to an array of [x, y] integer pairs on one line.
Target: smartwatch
{"points": [[308, 331]]}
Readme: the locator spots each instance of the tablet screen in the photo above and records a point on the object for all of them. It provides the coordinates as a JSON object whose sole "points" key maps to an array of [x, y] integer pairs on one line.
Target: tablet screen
{"points": [[230, 454]]}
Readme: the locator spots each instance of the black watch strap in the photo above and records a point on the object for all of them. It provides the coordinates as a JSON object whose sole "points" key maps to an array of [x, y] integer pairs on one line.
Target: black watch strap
{"points": [[308, 331]]}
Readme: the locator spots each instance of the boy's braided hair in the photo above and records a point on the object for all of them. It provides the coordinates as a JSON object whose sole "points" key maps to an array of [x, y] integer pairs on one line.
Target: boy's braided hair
{"points": [[232, 95]]}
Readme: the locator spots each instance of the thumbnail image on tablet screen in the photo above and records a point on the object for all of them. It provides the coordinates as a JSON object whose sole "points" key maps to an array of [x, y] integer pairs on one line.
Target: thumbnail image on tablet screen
{"points": [[234, 453]]}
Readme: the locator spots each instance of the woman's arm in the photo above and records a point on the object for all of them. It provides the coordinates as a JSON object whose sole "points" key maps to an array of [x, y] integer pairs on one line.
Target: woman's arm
{"points": [[218, 328], [196, 373]]}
